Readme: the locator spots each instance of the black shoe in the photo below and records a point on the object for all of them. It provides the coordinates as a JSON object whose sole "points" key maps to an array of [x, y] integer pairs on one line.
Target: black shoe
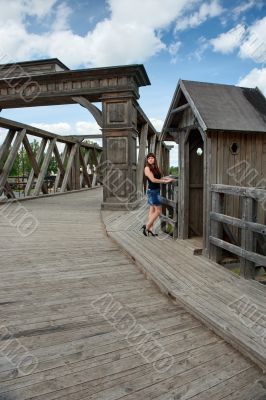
{"points": [[144, 230], [150, 232]]}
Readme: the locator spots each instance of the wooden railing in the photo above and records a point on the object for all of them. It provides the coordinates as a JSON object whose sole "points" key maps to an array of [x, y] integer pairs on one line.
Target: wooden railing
{"points": [[71, 163], [247, 249], [169, 198]]}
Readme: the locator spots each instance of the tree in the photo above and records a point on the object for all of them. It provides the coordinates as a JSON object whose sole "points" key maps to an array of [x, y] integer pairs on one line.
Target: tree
{"points": [[174, 171]]}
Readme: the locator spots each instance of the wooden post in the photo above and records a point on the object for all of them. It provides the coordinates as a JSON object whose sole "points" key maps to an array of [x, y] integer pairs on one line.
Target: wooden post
{"points": [[10, 159], [152, 144], [4, 149], [73, 151], [175, 214], [44, 167], [85, 174], [141, 157], [32, 173], [35, 166], [119, 151], [60, 173], [247, 268], [76, 170], [216, 227], [183, 191]]}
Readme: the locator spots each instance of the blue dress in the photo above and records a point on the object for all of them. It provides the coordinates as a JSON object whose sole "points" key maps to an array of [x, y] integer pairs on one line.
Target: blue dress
{"points": [[153, 192]]}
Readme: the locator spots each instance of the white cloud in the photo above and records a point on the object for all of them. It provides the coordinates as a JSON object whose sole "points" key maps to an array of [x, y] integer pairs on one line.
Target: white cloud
{"points": [[62, 15], [131, 34], [254, 46], [256, 77], [59, 128], [227, 42], [173, 50], [157, 123], [206, 10], [251, 41], [16, 10], [244, 7]]}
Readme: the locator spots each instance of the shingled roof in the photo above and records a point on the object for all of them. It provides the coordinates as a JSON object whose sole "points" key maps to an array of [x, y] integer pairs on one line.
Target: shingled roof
{"points": [[223, 107]]}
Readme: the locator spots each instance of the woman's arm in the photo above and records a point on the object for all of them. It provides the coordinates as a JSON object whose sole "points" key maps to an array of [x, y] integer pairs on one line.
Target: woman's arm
{"points": [[150, 175]]}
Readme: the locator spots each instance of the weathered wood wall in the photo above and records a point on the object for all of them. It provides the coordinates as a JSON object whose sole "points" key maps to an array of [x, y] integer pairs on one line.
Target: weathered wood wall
{"points": [[245, 167]]}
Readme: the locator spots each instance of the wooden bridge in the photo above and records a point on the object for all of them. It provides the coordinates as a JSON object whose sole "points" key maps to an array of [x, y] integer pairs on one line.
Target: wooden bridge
{"points": [[70, 295], [92, 309]]}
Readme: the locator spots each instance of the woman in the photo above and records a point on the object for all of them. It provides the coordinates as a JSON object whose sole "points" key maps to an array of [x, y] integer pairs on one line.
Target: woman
{"points": [[153, 174]]}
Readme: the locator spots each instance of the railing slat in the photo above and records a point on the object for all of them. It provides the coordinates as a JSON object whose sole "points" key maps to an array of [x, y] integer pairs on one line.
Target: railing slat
{"points": [[10, 159], [251, 256]]}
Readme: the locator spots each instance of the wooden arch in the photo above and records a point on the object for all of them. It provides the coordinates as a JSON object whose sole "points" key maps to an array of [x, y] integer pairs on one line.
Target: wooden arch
{"points": [[50, 82]]}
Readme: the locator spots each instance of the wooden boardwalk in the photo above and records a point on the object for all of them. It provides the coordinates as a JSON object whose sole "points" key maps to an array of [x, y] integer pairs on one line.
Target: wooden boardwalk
{"points": [[232, 306], [51, 283]]}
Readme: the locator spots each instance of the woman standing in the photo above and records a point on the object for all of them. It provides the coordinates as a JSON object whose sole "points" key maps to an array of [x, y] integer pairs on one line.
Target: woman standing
{"points": [[153, 174]]}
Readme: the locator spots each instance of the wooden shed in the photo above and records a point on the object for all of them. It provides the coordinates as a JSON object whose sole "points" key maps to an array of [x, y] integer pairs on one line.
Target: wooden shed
{"points": [[221, 132]]}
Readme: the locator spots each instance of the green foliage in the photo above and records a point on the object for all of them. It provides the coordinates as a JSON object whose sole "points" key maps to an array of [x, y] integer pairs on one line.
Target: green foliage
{"points": [[22, 165], [174, 171]]}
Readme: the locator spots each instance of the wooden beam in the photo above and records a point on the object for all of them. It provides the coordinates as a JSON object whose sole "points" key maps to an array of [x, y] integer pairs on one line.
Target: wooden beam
{"points": [[34, 164], [18, 126], [254, 257], [8, 191], [60, 163], [95, 112], [44, 168], [60, 173], [86, 158], [247, 267], [95, 174], [10, 159], [68, 167], [216, 226], [84, 169], [253, 192], [253, 226], [179, 109], [141, 157], [4, 149], [32, 173], [152, 144], [85, 137]]}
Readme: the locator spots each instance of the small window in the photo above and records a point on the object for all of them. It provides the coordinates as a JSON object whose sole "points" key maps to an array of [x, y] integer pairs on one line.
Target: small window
{"points": [[199, 151], [234, 148]]}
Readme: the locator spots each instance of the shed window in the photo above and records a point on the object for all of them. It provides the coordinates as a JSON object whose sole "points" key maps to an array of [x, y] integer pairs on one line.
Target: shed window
{"points": [[199, 151], [234, 148]]}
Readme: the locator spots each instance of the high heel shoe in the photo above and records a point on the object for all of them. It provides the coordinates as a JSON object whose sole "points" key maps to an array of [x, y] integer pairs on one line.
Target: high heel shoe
{"points": [[150, 232], [144, 230]]}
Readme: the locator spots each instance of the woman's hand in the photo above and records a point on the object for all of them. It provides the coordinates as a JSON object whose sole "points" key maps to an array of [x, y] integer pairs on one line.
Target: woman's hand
{"points": [[168, 180]]}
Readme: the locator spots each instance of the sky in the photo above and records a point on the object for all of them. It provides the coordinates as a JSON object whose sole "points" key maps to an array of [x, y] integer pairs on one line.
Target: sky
{"points": [[220, 41]]}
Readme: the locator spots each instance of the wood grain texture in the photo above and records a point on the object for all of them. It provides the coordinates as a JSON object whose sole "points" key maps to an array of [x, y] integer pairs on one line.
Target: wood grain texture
{"points": [[219, 298], [48, 281]]}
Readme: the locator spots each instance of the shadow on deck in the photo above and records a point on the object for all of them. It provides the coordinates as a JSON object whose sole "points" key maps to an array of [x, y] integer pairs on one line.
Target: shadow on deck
{"points": [[79, 321]]}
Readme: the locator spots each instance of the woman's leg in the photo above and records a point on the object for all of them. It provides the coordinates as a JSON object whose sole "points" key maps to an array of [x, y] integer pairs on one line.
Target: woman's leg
{"points": [[157, 212], [151, 212]]}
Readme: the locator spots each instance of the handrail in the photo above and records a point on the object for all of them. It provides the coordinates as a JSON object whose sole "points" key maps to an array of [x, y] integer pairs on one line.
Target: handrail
{"points": [[247, 251], [169, 199]]}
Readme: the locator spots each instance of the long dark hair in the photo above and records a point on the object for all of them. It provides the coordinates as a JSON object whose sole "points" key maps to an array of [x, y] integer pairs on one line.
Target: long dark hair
{"points": [[154, 167]]}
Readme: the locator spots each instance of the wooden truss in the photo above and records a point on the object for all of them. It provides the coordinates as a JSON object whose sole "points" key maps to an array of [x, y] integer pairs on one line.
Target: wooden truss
{"points": [[72, 164]]}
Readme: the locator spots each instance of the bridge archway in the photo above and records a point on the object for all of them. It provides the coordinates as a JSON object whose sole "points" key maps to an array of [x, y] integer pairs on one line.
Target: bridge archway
{"points": [[50, 82]]}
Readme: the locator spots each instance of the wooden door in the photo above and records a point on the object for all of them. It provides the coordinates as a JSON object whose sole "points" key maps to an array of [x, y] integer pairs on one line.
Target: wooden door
{"points": [[195, 216]]}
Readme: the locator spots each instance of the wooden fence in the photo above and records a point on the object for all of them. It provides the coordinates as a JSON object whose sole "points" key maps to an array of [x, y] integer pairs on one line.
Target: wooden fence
{"points": [[250, 229], [169, 198], [72, 162]]}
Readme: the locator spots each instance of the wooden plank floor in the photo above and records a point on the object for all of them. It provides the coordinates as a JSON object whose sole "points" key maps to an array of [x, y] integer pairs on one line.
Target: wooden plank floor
{"points": [[232, 306], [51, 285]]}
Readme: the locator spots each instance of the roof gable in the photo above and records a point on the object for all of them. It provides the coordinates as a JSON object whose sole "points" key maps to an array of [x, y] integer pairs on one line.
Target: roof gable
{"points": [[222, 107]]}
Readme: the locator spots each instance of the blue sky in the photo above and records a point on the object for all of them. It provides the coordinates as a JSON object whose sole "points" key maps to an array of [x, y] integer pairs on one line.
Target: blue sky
{"points": [[219, 41]]}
